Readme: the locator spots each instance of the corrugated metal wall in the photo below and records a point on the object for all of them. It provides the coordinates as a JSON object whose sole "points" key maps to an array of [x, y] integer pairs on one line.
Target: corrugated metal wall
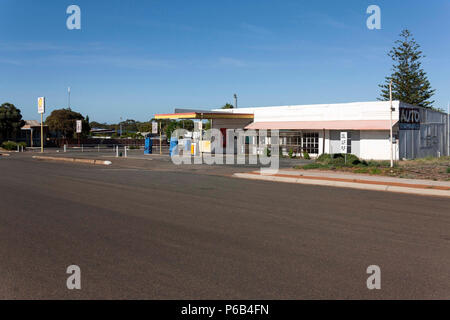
{"points": [[430, 141]]}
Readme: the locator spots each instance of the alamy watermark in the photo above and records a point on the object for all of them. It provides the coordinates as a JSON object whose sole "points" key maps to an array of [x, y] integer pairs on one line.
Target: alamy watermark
{"points": [[73, 22], [374, 280], [74, 280], [238, 147], [374, 21]]}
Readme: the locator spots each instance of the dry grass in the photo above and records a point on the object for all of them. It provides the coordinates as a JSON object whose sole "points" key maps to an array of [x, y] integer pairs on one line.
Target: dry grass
{"points": [[426, 168], [437, 169]]}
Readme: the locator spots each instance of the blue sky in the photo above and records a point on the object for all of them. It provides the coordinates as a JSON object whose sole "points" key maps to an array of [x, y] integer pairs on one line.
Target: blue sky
{"points": [[133, 58]]}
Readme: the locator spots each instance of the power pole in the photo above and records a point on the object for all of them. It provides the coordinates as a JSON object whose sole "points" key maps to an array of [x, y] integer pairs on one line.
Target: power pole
{"points": [[235, 101], [68, 98], [392, 144]]}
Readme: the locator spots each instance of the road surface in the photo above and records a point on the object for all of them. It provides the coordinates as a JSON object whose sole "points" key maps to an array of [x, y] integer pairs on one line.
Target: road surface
{"points": [[154, 231]]}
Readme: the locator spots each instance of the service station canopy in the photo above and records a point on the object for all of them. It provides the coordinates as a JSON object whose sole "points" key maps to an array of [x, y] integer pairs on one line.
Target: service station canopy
{"points": [[202, 115]]}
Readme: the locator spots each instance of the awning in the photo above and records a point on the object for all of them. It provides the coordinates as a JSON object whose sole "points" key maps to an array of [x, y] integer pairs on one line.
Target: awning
{"points": [[204, 115], [321, 125]]}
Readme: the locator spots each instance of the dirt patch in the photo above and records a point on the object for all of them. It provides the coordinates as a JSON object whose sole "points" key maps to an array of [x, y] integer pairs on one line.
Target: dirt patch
{"points": [[431, 169], [437, 169]]}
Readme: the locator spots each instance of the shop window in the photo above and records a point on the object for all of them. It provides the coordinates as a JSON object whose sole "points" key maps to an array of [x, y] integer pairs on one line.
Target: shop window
{"points": [[310, 142]]}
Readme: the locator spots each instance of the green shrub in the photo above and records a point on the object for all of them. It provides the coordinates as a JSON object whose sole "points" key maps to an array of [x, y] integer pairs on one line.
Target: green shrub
{"points": [[339, 159], [351, 159], [448, 169], [134, 147], [361, 170], [23, 145], [312, 166], [306, 156], [375, 171], [325, 158], [338, 162], [379, 164], [9, 145], [291, 153], [268, 152]]}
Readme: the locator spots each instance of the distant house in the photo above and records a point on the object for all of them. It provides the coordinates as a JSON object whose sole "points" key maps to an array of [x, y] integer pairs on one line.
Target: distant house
{"points": [[102, 133], [31, 133]]}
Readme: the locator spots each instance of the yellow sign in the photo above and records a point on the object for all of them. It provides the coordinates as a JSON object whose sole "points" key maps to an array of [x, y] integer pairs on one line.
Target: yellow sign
{"points": [[205, 146], [41, 105]]}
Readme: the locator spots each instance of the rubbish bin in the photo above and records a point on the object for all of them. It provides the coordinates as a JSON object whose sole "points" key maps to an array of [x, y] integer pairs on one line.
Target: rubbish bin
{"points": [[173, 146], [148, 145]]}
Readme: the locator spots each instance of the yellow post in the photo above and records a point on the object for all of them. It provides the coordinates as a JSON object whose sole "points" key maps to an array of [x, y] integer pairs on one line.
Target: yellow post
{"points": [[42, 133], [160, 138]]}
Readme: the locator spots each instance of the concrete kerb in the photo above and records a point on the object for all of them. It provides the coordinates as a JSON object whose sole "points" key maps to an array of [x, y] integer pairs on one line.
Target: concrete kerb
{"points": [[342, 184], [76, 160]]}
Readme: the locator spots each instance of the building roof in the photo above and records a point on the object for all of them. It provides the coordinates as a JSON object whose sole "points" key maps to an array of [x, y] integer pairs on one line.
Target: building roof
{"points": [[31, 124], [320, 125]]}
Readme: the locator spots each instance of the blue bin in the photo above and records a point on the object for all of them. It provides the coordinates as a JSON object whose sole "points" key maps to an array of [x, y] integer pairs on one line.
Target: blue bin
{"points": [[148, 145], [173, 146]]}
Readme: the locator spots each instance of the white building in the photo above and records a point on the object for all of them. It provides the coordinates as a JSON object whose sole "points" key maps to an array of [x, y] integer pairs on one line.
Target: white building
{"points": [[361, 128]]}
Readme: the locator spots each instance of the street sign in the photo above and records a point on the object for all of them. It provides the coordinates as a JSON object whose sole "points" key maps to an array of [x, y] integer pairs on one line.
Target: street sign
{"points": [[343, 147], [155, 127], [79, 126], [41, 105]]}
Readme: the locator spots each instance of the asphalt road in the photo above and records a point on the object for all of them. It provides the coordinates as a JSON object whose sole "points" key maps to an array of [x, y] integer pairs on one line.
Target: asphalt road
{"points": [[153, 231]]}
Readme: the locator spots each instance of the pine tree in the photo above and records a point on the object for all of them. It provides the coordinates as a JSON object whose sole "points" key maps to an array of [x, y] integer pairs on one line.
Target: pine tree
{"points": [[409, 82]]}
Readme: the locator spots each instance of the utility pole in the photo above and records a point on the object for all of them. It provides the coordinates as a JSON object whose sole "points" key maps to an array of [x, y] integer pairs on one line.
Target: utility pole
{"points": [[448, 129], [68, 97], [235, 101], [392, 144]]}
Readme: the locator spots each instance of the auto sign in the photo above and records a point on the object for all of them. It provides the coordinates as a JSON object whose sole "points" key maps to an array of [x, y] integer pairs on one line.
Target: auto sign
{"points": [[409, 119]]}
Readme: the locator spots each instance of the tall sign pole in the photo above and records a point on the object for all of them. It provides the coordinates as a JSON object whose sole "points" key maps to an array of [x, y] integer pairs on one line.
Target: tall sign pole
{"points": [[41, 110], [42, 133], [160, 138], [392, 145], [79, 125]]}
